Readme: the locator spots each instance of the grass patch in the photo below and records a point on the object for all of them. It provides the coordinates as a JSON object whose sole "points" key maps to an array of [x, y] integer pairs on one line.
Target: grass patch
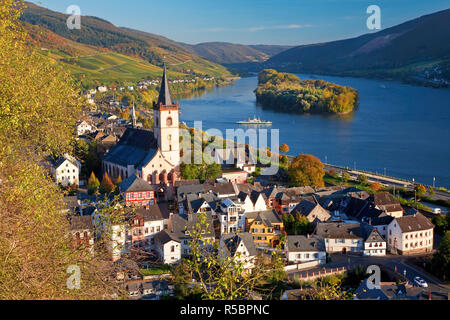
{"points": [[156, 270]]}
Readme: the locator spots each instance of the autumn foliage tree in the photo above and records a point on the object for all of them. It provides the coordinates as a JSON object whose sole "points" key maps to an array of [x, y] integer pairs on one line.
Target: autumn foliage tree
{"points": [[306, 170], [284, 148], [39, 106], [93, 184], [107, 186], [421, 190], [375, 186]]}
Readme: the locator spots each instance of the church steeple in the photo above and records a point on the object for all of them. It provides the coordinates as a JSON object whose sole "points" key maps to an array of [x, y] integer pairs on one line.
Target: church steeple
{"points": [[133, 116], [164, 93]]}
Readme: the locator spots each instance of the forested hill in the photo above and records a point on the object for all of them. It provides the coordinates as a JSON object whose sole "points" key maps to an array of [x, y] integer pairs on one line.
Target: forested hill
{"points": [[418, 49], [286, 92], [102, 34], [231, 53]]}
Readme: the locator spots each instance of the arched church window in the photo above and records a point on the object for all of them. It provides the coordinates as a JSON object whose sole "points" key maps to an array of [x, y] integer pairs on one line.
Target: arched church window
{"points": [[169, 122]]}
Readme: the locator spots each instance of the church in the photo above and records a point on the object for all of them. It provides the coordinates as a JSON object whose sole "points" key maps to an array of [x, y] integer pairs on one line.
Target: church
{"points": [[151, 155]]}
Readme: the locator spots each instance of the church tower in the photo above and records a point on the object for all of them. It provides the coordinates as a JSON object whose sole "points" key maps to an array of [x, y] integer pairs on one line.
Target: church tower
{"points": [[166, 123]]}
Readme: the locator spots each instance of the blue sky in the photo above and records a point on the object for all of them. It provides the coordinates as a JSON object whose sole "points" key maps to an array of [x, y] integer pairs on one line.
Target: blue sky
{"points": [[288, 22]]}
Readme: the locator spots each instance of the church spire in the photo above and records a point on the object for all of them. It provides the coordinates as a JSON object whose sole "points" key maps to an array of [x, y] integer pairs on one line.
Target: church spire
{"points": [[133, 116], [164, 93]]}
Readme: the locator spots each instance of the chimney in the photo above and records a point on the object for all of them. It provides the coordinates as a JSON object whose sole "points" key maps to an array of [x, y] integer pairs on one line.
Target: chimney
{"points": [[171, 222]]}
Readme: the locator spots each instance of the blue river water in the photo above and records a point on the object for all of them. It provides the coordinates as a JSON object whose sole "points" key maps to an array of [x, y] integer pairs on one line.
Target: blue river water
{"points": [[399, 129]]}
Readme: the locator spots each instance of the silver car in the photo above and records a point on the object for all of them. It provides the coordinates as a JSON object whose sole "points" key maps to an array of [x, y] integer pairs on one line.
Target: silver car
{"points": [[420, 282]]}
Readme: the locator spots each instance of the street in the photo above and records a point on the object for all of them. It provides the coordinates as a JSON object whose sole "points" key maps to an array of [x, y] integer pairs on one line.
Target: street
{"points": [[394, 263]]}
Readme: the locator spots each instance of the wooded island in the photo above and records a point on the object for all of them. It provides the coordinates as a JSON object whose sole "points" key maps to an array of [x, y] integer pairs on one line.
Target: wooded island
{"points": [[286, 92]]}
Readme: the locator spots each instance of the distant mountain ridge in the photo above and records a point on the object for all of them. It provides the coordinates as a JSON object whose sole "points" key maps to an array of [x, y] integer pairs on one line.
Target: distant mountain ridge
{"points": [[230, 53], [405, 50]]}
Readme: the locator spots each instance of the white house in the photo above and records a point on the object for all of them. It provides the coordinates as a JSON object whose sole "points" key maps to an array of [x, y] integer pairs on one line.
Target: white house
{"points": [[175, 243], [66, 171], [374, 244], [410, 235], [168, 248], [138, 233], [240, 247], [84, 127], [302, 249], [231, 218], [341, 236], [253, 202], [102, 89]]}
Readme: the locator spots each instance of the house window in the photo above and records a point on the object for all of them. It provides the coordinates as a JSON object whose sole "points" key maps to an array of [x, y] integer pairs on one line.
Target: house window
{"points": [[172, 249]]}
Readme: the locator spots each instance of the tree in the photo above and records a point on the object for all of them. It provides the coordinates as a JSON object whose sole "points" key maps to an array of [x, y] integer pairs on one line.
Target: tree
{"points": [[306, 170], [375, 186], [219, 276], [363, 180], [284, 148], [420, 190], [440, 264], [345, 176], [212, 171], [107, 186], [39, 105], [93, 184]]}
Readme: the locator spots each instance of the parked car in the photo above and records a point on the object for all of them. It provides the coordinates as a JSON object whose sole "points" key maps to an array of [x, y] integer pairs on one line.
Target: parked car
{"points": [[420, 282]]}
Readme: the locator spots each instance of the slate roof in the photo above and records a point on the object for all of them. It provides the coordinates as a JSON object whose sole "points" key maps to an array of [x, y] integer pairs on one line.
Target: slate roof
{"points": [[71, 202], [222, 189], [305, 244], [153, 213], [340, 230], [165, 98], [269, 217], [385, 201], [194, 202], [254, 196], [182, 183], [165, 211], [248, 187], [414, 223], [178, 227], [365, 211], [232, 242], [81, 223], [184, 190], [307, 208], [135, 146], [135, 184]]}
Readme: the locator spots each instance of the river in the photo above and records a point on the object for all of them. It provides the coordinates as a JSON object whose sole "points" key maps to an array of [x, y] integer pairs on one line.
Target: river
{"points": [[399, 129]]}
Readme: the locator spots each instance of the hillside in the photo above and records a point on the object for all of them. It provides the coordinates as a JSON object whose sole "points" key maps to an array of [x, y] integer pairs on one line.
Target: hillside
{"points": [[231, 53], [417, 49], [100, 35]]}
